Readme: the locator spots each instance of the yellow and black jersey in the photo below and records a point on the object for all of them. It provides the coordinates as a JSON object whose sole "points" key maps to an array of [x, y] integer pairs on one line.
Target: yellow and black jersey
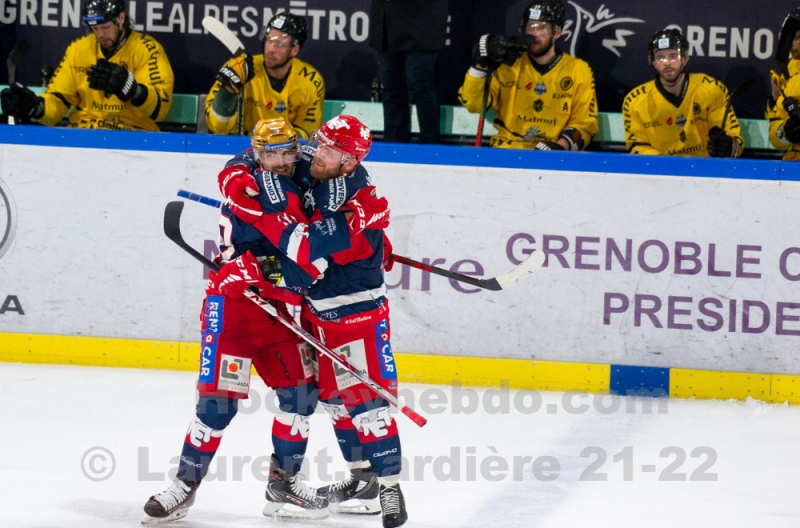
{"points": [[300, 102], [141, 55], [777, 115], [533, 106], [657, 122]]}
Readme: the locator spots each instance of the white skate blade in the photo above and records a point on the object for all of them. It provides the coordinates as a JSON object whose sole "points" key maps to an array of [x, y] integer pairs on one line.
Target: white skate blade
{"points": [[284, 510], [356, 507], [157, 521]]}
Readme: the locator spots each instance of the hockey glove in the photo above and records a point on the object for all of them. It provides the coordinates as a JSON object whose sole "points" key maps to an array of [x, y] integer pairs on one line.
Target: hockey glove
{"points": [[271, 269], [720, 144], [493, 50], [364, 211], [112, 79], [791, 130], [22, 103], [388, 263], [548, 145], [238, 275], [236, 73], [239, 187]]}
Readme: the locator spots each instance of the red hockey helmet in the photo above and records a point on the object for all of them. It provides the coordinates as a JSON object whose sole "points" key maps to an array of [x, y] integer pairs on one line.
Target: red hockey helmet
{"points": [[347, 134]]}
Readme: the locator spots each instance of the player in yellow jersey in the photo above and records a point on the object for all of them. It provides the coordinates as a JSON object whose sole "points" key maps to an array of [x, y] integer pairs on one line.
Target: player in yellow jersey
{"points": [[545, 98], [114, 78], [679, 113], [275, 84], [782, 111]]}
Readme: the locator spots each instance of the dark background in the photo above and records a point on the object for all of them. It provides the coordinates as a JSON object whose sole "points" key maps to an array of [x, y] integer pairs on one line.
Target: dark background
{"points": [[349, 66]]}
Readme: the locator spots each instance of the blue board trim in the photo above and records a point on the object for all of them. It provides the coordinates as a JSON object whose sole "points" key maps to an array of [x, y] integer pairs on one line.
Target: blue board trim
{"points": [[418, 154], [639, 381]]}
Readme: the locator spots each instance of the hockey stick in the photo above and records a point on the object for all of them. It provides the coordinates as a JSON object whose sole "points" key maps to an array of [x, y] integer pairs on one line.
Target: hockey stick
{"points": [[172, 228], [501, 282], [486, 87], [20, 50], [235, 47], [736, 92]]}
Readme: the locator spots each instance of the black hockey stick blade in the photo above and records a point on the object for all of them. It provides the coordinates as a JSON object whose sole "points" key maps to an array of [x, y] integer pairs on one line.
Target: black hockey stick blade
{"points": [[20, 50], [501, 282], [172, 228]]}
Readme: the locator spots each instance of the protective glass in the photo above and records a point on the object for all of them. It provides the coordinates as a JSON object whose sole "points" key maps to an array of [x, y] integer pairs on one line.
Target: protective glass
{"points": [[270, 157], [537, 28], [332, 155], [280, 42], [672, 56]]}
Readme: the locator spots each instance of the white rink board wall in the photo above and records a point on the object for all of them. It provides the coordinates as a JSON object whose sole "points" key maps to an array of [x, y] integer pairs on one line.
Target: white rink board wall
{"points": [[643, 270]]}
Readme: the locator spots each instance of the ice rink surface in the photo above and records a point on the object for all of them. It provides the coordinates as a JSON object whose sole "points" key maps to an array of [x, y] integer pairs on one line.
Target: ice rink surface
{"points": [[497, 458]]}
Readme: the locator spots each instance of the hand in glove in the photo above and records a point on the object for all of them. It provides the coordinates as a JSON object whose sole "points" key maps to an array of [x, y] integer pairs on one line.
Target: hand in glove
{"points": [[236, 73], [388, 263], [721, 145], [791, 130], [112, 79], [20, 102], [238, 187], [494, 50], [366, 211], [548, 145], [237, 276]]}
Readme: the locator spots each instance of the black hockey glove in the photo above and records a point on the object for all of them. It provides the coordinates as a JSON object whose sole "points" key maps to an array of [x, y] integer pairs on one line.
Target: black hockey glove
{"points": [[271, 269], [237, 72], [22, 103], [548, 145], [791, 130], [720, 144], [492, 51], [112, 79]]}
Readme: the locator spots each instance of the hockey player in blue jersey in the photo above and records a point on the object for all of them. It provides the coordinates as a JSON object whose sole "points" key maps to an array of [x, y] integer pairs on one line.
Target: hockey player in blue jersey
{"points": [[347, 309], [238, 334]]}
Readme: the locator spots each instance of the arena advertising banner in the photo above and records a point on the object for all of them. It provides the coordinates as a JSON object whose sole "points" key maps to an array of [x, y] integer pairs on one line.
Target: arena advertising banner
{"points": [[730, 41], [672, 271]]}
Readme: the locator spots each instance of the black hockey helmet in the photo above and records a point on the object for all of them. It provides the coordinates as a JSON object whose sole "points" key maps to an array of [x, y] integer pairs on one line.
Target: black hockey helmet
{"points": [[292, 25], [551, 11], [101, 11], [667, 39]]}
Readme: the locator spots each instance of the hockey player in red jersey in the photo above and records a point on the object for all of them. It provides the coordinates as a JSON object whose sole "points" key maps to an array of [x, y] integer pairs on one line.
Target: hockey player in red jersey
{"points": [[237, 333], [347, 310]]}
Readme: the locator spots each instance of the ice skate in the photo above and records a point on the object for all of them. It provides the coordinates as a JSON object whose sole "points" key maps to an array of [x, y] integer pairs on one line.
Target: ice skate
{"points": [[356, 495], [289, 497], [171, 504], [393, 506]]}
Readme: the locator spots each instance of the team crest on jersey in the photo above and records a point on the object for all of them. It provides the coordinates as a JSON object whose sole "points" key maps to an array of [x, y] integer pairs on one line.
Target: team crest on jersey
{"points": [[680, 120], [566, 83], [280, 107], [540, 88], [538, 105]]}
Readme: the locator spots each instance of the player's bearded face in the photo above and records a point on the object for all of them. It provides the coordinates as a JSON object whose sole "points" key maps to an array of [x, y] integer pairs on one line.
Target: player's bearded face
{"points": [[279, 161], [795, 51], [278, 49], [544, 38], [109, 34], [328, 163], [669, 64]]}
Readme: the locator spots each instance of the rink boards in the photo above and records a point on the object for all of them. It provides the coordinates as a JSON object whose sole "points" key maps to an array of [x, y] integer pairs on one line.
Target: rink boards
{"points": [[674, 276]]}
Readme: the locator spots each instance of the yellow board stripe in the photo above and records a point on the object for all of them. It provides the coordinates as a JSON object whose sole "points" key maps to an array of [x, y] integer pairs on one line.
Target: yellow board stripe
{"points": [[414, 368]]}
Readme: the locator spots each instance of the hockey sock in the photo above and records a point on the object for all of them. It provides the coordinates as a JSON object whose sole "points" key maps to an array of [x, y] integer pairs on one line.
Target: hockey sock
{"points": [[290, 427], [378, 435], [204, 435], [346, 433]]}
